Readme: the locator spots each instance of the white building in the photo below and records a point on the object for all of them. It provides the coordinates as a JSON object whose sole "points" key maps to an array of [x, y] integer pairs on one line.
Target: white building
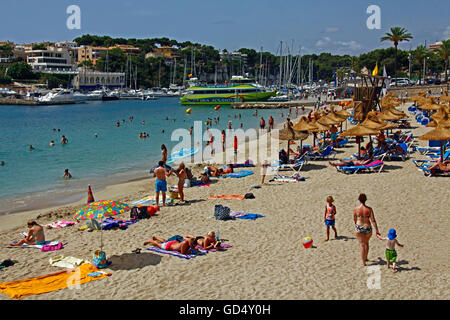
{"points": [[92, 80], [51, 59]]}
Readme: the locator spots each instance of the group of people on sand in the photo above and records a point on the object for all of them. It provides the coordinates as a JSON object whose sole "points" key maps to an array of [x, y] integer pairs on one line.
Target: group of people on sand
{"points": [[364, 219], [186, 244]]}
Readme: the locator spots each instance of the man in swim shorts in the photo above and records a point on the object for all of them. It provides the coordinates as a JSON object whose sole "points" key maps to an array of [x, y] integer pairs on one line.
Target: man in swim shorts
{"points": [[161, 183], [176, 243]]}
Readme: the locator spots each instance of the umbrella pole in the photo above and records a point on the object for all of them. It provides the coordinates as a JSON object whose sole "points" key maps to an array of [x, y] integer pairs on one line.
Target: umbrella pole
{"points": [[288, 150], [101, 236]]}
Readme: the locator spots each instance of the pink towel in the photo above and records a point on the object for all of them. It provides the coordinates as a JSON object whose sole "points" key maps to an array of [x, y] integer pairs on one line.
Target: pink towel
{"points": [[58, 246]]}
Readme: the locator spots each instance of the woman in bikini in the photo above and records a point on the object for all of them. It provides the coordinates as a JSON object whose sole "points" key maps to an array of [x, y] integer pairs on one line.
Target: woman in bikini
{"points": [[363, 217], [35, 235], [208, 242]]}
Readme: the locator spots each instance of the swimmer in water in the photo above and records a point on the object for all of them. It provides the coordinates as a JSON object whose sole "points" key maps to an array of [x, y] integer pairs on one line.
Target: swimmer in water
{"points": [[95, 135], [67, 174], [2, 163], [64, 140], [31, 147], [52, 143]]}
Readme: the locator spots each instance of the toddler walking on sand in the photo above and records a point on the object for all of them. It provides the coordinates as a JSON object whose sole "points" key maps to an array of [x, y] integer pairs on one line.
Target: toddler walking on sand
{"points": [[330, 212], [391, 254]]}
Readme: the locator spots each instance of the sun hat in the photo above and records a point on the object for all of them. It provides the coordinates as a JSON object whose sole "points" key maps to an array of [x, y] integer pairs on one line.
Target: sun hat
{"points": [[392, 234]]}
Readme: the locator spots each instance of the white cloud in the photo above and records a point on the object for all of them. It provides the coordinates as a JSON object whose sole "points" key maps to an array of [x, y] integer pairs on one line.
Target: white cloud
{"points": [[352, 45], [447, 33], [324, 42], [338, 46]]}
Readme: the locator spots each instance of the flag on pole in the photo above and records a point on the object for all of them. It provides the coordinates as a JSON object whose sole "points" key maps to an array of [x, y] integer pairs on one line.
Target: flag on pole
{"points": [[375, 71], [388, 81]]}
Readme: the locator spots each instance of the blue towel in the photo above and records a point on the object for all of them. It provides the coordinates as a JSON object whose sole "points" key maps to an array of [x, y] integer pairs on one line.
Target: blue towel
{"points": [[237, 174], [250, 216]]}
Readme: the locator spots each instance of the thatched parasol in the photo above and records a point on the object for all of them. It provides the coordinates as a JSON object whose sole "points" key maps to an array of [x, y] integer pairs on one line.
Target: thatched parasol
{"points": [[359, 131], [288, 135], [303, 125], [388, 116], [328, 122], [439, 134]]}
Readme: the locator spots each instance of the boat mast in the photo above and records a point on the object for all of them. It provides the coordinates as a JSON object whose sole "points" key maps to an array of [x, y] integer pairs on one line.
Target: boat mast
{"points": [[281, 64], [184, 73]]}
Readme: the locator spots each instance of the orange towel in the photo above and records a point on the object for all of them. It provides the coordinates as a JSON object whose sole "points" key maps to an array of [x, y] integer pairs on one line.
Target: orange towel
{"points": [[228, 197], [50, 282]]}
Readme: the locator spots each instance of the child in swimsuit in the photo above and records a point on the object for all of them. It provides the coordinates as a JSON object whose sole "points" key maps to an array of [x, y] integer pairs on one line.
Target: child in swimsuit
{"points": [[330, 212], [391, 254]]}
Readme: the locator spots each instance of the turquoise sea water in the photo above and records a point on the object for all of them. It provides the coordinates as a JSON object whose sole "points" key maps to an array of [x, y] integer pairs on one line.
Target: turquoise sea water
{"points": [[32, 179]]}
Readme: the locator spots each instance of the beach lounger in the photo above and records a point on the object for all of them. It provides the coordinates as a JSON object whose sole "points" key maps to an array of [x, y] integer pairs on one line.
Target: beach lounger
{"points": [[322, 155], [433, 173], [296, 166], [375, 166]]}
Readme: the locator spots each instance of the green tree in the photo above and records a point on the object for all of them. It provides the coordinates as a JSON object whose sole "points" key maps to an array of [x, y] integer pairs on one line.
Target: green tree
{"points": [[21, 71], [40, 46], [397, 35], [443, 53], [420, 54]]}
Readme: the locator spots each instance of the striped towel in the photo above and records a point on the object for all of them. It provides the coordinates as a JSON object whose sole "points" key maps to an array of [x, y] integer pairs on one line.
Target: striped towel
{"points": [[178, 254]]}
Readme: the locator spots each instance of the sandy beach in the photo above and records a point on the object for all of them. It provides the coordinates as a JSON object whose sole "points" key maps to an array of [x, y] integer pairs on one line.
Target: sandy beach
{"points": [[267, 260]]}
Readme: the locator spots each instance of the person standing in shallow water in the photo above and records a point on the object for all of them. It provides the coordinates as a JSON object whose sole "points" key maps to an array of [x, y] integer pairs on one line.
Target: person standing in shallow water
{"points": [[364, 217]]}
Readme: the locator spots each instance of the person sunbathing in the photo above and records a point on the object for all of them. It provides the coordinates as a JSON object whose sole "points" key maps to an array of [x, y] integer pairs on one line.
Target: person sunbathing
{"points": [[184, 247], [208, 242], [348, 163], [35, 235], [443, 166]]}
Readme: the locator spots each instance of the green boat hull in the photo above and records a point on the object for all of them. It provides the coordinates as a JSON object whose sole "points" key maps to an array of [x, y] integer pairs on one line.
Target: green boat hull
{"points": [[213, 99]]}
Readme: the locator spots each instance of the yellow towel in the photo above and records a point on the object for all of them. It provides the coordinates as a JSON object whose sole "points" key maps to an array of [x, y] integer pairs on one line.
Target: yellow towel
{"points": [[50, 282]]}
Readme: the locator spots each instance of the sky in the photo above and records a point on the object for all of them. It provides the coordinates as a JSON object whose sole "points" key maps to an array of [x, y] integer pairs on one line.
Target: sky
{"points": [[338, 27]]}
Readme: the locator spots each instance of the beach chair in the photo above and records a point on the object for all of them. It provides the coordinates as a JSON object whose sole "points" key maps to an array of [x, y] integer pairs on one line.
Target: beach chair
{"points": [[322, 155], [427, 172], [296, 166], [401, 156], [374, 166], [342, 143], [437, 155]]}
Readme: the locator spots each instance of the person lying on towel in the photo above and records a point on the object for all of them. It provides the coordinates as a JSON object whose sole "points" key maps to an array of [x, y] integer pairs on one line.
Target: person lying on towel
{"points": [[208, 242], [35, 235], [350, 163], [176, 243]]}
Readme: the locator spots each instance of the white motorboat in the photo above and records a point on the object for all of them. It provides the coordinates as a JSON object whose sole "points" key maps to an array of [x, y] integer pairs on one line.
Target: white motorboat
{"points": [[59, 96]]}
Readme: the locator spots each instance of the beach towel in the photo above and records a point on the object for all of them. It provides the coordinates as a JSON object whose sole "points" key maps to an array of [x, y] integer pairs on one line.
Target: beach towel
{"points": [[50, 282], [66, 262], [287, 179], [222, 247], [52, 247], [228, 197], [178, 254], [59, 224], [237, 174], [111, 223], [245, 215], [38, 246]]}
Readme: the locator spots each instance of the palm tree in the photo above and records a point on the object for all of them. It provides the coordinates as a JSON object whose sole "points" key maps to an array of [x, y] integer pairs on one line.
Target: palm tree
{"points": [[420, 54], [397, 35], [443, 52]]}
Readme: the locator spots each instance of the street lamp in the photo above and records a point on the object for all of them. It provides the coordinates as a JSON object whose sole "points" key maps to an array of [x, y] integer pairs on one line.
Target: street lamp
{"points": [[424, 68]]}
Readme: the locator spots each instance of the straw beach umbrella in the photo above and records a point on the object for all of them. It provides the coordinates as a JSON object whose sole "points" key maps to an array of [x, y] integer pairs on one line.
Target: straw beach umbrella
{"points": [[289, 135], [303, 126], [359, 131], [439, 134], [318, 128]]}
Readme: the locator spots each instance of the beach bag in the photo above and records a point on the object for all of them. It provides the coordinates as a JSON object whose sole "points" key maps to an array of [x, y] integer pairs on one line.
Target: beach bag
{"points": [[99, 258], [249, 196], [221, 212], [93, 225], [139, 213]]}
